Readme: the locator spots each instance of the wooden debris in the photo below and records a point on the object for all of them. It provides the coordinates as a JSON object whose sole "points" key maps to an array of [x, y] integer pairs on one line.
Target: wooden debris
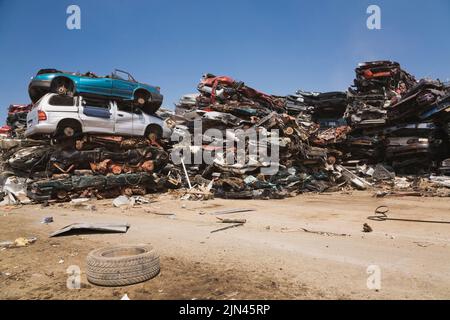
{"points": [[228, 227], [231, 220]]}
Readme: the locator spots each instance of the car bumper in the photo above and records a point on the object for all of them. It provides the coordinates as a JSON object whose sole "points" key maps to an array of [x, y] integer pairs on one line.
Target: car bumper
{"points": [[38, 88], [41, 128]]}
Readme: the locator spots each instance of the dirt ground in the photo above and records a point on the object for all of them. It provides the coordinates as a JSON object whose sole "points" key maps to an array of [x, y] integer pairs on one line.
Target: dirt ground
{"points": [[270, 257]]}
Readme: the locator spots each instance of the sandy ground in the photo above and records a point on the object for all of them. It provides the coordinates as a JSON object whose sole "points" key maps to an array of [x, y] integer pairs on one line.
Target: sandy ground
{"points": [[270, 257]]}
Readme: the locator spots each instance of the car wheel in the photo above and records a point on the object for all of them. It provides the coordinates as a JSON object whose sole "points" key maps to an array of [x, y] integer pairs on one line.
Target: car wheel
{"points": [[153, 133], [141, 98], [68, 130], [62, 86]]}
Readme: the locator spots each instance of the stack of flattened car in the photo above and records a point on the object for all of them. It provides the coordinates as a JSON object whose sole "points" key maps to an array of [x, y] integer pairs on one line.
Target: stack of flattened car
{"points": [[236, 111], [17, 119], [399, 121], [85, 136], [388, 124]]}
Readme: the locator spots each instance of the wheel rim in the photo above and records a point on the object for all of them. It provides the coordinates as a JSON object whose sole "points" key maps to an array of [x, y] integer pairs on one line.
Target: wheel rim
{"points": [[68, 131], [153, 136], [141, 100], [62, 89]]}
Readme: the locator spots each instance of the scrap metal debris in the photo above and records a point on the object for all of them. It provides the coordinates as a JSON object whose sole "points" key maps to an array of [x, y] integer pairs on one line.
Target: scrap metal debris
{"points": [[230, 211], [19, 242], [222, 220], [367, 228], [322, 233], [388, 132], [381, 215], [77, 228], [228, 227]]}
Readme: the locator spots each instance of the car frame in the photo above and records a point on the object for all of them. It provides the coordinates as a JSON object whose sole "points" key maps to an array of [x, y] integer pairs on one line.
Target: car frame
{"points": [[118, 85]]}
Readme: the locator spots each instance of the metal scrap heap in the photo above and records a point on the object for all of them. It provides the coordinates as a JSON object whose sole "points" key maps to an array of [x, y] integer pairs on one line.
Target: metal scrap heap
{"points": [[388, 132], [87, 166]]}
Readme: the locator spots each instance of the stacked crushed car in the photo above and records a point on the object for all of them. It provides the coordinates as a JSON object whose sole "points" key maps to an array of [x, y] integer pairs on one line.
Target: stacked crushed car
{"points": [[225, 104], [71, 149], [386, 125], [388, 132]]}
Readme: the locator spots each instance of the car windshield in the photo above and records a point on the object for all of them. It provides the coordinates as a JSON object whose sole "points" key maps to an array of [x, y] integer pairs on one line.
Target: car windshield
{"points": [[117, 76], [122, 75]]}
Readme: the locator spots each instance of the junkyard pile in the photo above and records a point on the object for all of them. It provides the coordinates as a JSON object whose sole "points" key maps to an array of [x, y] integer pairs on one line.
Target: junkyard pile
{"points": [[388, 132]]}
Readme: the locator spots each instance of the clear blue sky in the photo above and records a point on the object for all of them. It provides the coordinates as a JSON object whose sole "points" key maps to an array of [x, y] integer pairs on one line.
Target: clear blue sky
{"points": [[275, 46]]}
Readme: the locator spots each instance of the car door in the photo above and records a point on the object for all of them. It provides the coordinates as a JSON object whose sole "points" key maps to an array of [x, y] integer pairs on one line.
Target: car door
{"points": [[97, 115], [124, 124], [140, 121], [122, 85], [95, 85]]}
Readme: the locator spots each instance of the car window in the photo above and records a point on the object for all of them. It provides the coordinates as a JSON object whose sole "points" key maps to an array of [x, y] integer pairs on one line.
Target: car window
{"points": [[123, 76], [96, 103], [61, 100], [118, 77]]}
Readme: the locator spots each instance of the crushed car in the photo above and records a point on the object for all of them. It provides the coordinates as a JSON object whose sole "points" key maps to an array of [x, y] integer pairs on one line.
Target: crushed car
{"points": [[68, 116], [119, 84]]}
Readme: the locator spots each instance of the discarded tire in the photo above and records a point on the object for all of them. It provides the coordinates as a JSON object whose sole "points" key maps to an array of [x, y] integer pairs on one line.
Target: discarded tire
{"points": [[122, 265]]}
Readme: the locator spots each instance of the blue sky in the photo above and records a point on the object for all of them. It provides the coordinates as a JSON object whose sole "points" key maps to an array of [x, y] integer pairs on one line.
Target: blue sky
{"points": [[274, 46]]}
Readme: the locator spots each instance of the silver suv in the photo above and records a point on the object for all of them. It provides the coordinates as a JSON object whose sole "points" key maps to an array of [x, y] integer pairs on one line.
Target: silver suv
{"points": [[62, 115]]}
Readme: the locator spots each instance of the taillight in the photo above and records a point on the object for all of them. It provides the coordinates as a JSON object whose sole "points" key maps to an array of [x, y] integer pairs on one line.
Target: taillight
{"points": [[158, 88], [42, 116]]}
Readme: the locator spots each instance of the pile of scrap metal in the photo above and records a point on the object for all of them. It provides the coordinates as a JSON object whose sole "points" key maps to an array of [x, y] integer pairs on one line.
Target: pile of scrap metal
{"points": [[307, 158], [389, 124], [326, 109], [387, 131], [16, 122], [378, 86], [100, 166], [397, 120]]}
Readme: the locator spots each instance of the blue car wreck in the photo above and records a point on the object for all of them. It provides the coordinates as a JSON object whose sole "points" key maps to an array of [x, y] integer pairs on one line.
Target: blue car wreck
{"points": [[120, 85]]}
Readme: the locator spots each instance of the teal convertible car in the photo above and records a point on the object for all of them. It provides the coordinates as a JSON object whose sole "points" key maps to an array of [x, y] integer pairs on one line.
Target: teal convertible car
{"points": [[119, 85]]}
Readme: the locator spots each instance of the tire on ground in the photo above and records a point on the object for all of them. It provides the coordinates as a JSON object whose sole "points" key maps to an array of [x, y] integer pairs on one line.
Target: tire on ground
{"points": [[122, 265]]}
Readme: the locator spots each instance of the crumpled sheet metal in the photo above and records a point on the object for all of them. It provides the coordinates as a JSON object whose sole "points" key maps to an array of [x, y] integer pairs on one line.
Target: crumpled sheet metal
{"points": [[385, 125], [384, 128], [77, 228], [62, 188]]}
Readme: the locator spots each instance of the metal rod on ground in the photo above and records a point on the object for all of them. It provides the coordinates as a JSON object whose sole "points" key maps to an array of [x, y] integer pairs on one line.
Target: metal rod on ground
{"points": [[229, 227], [185, 172], [381, 215]]}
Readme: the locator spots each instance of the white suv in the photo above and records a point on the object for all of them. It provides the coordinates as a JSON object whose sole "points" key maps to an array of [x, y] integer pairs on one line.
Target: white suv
{"points": [[62, 115]]}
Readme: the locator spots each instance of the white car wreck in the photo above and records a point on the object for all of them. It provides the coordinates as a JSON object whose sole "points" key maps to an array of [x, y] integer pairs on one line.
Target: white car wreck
{"points": [[66, 116]]}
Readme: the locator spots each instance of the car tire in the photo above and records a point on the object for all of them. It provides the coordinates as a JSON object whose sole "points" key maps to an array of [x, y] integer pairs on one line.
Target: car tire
{"points": [[141, 98], [122, 265], [62, 86], [153, 133], [68, 129]]}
